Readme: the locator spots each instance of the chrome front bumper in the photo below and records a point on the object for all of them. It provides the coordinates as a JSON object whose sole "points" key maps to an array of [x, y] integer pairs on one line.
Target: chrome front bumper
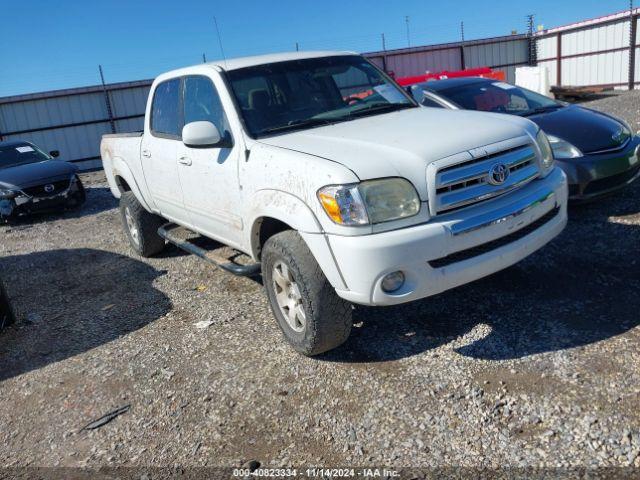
{"points": [[452, 249]]}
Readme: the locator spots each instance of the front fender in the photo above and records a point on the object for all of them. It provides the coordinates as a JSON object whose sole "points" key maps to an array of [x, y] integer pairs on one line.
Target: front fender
{"points": [[293, 211], [281, 206]]}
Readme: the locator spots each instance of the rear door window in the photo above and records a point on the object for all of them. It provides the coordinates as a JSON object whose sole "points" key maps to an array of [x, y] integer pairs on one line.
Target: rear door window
{"points": [[166, 118]]}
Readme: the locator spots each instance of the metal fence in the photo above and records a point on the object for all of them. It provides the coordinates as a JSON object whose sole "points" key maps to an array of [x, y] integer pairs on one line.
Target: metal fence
{"points": [[597, 52], [500, 53], [600, 52], [73, 121]]}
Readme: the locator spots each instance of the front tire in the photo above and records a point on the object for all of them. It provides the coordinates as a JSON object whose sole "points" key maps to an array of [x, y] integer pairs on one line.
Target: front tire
{"points": [[312, 317], [141, 226], [79, 197]]}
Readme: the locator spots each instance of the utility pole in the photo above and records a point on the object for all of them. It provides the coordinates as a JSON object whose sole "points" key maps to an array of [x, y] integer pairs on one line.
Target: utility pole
{"points": [[633, 27], [462, 60], [107, 101], [406, 19], [533, 50], [384, 56]]}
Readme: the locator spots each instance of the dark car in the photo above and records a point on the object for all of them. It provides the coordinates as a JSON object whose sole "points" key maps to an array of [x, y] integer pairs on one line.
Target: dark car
{"points": [[598, 152], [32, 181]]}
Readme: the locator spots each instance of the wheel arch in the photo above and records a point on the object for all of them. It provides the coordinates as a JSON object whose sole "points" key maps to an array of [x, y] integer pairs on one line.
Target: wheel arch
{"points": [[274, 211], [124, 181]]}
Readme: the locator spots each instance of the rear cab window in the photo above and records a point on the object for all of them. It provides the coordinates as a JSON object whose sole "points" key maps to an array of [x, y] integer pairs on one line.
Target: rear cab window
{"points": [[166, 115]]}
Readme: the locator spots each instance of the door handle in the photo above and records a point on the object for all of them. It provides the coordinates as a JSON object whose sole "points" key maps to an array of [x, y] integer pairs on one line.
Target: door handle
{"points": [[146, 153], [184, 161]]}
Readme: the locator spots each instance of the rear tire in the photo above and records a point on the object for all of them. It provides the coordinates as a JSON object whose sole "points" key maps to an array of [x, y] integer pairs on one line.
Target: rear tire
{"points": [[141, 226], [312, 317]]}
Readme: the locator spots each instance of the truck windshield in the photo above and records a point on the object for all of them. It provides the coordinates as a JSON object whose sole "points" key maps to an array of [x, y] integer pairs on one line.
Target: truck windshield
{"points": [[20, 154], [300, 94]]}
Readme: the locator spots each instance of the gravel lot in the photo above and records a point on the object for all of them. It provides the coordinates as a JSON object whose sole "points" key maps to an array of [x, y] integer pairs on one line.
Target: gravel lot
{"points": [[536, 366]]}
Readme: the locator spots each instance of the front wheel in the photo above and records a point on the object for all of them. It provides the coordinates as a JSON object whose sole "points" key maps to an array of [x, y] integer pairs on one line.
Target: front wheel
{"points": [[312, 317], [141, 226], [79, 195]]}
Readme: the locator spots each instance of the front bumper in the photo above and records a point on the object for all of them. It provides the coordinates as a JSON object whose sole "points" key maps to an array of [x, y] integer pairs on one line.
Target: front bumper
{"points": [[444, 253], [23, 203], [595, 175]]}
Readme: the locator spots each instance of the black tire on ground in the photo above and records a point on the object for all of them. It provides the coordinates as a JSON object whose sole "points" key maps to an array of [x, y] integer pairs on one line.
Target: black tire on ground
{"points": [[6, 312], [328, 319], [78, 199], [145, 239]]}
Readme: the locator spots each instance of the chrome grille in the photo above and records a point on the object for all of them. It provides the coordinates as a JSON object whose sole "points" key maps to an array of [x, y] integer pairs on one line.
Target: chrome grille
{"points": [[467, 182]]}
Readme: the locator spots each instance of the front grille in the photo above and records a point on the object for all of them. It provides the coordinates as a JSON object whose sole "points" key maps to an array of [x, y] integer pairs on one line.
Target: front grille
{"points": [[41, 190], [494, 244], [466, 183], [604, 184]]}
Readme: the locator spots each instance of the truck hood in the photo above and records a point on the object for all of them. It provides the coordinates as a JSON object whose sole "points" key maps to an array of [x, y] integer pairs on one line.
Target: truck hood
{"points": [[403, 143], [32, 173]]}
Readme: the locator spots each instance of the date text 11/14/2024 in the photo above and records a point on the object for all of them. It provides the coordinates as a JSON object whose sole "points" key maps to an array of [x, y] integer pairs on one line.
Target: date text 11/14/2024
{"points": [[317, 472]]}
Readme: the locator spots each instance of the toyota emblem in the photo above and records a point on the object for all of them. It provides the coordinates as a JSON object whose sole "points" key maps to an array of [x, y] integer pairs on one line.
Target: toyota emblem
{"points": [[498, 174], [49, 188]]}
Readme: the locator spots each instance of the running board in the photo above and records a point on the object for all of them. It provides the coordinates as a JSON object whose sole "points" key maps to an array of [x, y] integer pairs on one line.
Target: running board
{"points": [[179, 236]]}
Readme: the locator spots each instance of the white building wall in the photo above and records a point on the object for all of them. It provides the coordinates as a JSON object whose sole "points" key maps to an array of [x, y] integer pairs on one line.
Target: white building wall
{"points": [[594, 52]]}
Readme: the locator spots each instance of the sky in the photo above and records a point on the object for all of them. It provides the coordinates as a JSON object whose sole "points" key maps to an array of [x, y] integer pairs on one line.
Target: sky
{"points": [[48, 45]]}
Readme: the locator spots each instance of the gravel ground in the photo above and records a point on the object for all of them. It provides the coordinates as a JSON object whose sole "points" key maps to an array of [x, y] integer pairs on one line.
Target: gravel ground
{"points": [[536, 366]]}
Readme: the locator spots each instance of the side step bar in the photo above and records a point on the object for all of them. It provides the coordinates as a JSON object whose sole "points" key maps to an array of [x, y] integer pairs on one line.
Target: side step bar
{"points": [[171, 233]]}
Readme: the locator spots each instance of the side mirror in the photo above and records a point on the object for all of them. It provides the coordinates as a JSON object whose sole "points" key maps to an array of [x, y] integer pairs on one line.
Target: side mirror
{"points": [[201, 134], [54, 153]]}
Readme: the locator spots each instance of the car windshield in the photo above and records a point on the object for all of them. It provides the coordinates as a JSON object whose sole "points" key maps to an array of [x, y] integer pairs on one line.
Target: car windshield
{"points": [[20, 154], [499, 97], [285, 96]]}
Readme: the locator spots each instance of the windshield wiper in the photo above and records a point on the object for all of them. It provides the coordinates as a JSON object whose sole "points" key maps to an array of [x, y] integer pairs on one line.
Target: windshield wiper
{"points": [[297, 124], [380, 107], [540, 110]]}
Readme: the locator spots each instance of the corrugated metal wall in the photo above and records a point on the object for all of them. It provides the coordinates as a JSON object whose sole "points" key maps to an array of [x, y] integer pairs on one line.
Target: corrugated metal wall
{"points": [[593, 52], [500, 53], [73, 121], [590, 53]]}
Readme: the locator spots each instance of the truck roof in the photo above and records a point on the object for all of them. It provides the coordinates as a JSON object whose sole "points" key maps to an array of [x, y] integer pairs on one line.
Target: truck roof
{"points": [[242, 62]]}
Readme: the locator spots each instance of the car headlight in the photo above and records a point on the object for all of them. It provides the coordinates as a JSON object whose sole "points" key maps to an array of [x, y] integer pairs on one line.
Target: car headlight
{"points": [[626, 128], [563, 149], [6, 193], [369, 202], [545, 151]]}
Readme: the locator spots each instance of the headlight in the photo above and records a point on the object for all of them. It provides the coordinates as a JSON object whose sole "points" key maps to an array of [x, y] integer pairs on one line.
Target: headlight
{"points": [[563, 149], [545, 150], [7, 193], [626, 128], [369, 202]]}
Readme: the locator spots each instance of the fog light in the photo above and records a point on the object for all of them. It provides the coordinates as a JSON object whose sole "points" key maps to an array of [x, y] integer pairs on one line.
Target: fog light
{"points": [[392, 282]]}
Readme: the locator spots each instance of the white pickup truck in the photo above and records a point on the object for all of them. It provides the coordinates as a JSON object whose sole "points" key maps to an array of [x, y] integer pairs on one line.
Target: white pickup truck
{"points": [[337, 185]]}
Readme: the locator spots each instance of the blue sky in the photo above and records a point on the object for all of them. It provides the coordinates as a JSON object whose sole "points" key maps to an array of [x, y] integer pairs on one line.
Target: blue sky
{"points": [[46, 45]]}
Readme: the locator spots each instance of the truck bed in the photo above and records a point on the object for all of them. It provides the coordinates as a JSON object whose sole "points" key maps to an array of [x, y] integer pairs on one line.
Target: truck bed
{"points": [[122, 148], [122, 135]]}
